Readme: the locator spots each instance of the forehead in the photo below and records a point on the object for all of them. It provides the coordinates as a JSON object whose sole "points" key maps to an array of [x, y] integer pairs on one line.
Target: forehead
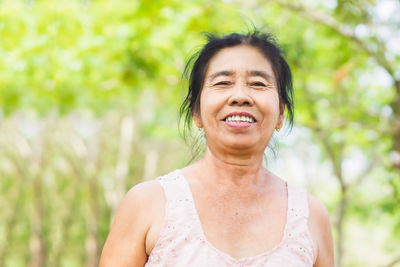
{"points": [[239, 58]]}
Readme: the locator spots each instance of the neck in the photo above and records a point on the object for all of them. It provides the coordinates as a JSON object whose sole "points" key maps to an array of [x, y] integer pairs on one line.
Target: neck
{"points": [[239, 170]]}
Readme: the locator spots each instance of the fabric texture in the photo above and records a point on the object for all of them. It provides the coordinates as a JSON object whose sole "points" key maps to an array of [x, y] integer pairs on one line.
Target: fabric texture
{"points": [[182, 242]]}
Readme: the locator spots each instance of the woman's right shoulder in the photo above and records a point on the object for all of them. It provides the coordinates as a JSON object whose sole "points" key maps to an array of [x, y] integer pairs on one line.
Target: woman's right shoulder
{"points": [[144, 201], [141, 204], [144, 191], [137, 213], [151, 190]]}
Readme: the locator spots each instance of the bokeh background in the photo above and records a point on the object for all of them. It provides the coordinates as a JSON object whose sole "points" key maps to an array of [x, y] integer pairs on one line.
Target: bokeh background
{"points": [[89, 100]]}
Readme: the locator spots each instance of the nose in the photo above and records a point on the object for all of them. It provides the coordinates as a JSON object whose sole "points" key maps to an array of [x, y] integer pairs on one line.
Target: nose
{"points": [[240, 96]]}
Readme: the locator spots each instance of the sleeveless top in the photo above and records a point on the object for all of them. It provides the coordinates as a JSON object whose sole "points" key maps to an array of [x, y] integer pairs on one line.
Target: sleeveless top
{"points": [[182, 242]]}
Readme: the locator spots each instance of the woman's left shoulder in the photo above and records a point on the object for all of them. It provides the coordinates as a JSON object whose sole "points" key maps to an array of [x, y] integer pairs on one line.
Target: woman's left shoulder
{"points": [[317, 209], [320, 229]]}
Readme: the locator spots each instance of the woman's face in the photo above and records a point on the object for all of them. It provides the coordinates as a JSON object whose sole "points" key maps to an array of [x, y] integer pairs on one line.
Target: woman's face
{"points": [[239, 102]]}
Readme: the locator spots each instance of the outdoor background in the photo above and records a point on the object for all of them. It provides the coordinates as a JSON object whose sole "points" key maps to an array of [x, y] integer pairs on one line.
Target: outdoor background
{"points": [[89, 100]]}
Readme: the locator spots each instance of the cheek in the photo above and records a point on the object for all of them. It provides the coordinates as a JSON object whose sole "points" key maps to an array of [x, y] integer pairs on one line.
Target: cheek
{"points": [[210, 105], [269, 106]]}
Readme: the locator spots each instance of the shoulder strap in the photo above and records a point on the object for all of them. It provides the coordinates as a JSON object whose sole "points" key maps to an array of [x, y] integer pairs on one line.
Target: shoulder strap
{"points": [[298, 235], [297, 204], [180, 212], [174, 187]]}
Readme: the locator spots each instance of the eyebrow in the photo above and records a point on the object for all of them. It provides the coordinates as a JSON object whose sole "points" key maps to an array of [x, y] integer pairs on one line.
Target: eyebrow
{"points": [[262, 74], [221, 73], [259, 73]]}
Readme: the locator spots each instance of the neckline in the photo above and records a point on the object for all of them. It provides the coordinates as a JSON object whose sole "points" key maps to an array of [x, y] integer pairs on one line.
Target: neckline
{"points": [[224, 254]]}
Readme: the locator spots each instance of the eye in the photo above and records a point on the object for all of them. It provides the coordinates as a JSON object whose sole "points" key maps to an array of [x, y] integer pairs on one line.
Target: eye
{"points": [[223, 83], [258, 84]]}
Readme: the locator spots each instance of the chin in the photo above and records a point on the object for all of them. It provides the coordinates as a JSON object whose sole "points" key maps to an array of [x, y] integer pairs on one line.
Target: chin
{"points": [[241, 145]]}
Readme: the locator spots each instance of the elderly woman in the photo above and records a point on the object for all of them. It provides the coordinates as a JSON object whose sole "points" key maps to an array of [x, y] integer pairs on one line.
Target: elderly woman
{"points": [[226, 209]]}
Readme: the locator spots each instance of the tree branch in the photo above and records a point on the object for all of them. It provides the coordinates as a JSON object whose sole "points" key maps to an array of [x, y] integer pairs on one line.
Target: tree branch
{"points": [[336, 160], [365, 172], [393, 262], [343, 30]]}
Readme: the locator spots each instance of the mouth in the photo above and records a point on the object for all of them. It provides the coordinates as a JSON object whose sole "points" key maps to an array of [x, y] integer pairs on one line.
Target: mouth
{"points": [[240, 117]]}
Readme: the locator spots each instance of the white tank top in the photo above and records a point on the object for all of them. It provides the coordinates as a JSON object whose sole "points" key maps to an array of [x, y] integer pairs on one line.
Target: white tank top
{"points": [[182, 242]]}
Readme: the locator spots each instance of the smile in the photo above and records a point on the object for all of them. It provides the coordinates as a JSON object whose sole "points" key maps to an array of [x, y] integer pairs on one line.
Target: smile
{"points": [[239, 119]]}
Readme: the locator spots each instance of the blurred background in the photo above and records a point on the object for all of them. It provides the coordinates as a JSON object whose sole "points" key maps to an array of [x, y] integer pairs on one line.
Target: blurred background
{"points": [[89, 100]]}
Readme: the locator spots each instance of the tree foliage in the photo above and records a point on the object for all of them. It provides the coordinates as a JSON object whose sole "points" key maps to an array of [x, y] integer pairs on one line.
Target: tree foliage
{"points": [[89, 92]]}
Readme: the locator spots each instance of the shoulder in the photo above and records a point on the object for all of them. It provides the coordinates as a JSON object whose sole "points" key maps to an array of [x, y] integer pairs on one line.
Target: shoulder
{"points": [[320, 229], [127, 238], [318, 211], [140, 204], [143, 191], [138, 199]]}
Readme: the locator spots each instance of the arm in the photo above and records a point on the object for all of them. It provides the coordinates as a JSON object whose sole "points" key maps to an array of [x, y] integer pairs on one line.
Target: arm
{"points": [[321, 233], [126, 242]]}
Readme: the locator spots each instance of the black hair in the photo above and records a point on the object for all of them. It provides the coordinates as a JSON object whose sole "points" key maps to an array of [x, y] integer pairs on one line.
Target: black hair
{"points": [[197, 65]]}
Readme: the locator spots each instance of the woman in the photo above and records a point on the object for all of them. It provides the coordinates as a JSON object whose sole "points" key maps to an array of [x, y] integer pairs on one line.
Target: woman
{"points": [[226, 209]]}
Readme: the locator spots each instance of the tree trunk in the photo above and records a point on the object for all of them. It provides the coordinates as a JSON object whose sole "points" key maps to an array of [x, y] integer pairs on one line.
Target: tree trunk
{"points": [[395, 154], [36, 166], [92, 242], [37, 246], [93, 246], [340, 227]]}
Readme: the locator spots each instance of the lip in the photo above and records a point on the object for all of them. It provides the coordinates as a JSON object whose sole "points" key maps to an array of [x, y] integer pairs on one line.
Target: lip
{"points": [[240, 113], [239, 125]]}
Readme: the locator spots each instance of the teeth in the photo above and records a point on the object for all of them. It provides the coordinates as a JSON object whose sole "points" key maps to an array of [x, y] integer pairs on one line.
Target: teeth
{"points": [[237, 118]]}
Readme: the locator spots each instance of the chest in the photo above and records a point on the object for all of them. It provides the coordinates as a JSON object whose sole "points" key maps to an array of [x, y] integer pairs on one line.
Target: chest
{"points": [[261, 233], [241, 226]]}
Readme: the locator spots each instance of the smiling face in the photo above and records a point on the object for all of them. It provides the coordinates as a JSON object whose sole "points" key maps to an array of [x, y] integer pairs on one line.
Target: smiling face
{"points": [[239, 102]]}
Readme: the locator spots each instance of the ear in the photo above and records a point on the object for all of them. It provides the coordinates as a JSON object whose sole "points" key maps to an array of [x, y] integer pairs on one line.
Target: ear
{"points": [[197, 120], [281, 116]]}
